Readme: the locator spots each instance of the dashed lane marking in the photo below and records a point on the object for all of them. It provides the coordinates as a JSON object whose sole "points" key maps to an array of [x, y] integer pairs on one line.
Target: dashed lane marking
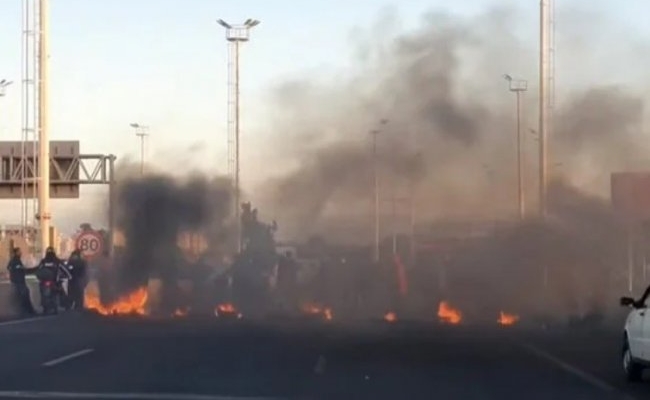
{"points": [[67, 357], [26, 320], [124, 396], [575, 371]]}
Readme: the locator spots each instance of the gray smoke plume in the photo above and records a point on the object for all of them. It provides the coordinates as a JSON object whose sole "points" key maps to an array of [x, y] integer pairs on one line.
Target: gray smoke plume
{"points": [[152, 211], [451, 129], [450, 139]]}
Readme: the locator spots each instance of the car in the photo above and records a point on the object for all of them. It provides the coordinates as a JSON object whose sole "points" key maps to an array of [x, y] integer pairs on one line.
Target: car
{"points": [[635, 351]]}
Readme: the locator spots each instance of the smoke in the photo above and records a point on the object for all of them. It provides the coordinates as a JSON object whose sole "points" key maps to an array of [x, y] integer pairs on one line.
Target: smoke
{"points": [[450, 135], [152, 211], [450, 140]]}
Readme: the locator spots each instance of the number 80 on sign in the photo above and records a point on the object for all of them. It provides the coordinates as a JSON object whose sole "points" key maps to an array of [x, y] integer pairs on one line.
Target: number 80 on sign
{"points": [[90, 243]]}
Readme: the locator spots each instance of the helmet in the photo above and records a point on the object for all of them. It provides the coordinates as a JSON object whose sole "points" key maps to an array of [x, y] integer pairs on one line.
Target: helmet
{"points": [[50, 251], [75, 253]]}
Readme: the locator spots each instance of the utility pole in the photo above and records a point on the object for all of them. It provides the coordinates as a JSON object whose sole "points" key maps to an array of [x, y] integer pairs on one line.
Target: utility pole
{"points": [[375, 168], [546, 39], [43, 127], [141, 131], [235, 35], [518, 87]]}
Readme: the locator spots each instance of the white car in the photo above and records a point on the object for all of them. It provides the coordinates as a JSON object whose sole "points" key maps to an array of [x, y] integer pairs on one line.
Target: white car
{"points": [[636, 337]]}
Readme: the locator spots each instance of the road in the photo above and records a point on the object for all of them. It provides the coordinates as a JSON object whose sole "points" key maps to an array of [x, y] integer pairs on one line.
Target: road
{"points": [[88, 357]]}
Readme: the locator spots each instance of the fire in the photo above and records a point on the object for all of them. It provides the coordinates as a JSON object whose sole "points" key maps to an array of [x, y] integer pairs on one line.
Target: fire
{"points": [[390, 317], [313, 309], [132, 303], [181, 312], [507, 319], [226, 309], [448, 314]]}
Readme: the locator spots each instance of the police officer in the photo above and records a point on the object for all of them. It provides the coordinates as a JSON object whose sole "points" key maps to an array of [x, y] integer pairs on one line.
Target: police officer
{"points": [[17, 272], [78, 269], [51, 268]]}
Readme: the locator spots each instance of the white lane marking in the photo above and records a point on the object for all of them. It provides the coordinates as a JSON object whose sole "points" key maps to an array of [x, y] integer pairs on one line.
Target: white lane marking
{"points": [[120, 396], [26, 320], [585, 376], [65, 358]]}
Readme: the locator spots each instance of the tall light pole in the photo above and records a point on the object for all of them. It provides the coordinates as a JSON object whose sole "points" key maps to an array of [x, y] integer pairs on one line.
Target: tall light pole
{"points": [[546, 39], [141, 131], [518, 87], [235, 35], [44, 126], [375, 169]]}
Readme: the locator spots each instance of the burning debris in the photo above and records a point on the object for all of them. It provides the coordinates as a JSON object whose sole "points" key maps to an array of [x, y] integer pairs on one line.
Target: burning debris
{"points": [[133, 303], [448, 315], [181, 312], [316, 310], [227, 310], [390, 317], [164, 221], [507, 319]]}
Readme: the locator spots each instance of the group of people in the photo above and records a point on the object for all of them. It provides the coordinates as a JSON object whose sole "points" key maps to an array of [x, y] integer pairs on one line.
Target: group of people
{"points": [[50, 269]]}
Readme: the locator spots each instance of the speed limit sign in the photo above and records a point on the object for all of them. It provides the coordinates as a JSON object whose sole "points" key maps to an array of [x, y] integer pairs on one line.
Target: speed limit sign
{"points": [[90, 243]]}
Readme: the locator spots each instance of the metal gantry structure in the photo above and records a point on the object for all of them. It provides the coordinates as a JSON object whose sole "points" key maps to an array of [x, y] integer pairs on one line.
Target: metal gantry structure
{"points": [[22, 174], [236, 34]]}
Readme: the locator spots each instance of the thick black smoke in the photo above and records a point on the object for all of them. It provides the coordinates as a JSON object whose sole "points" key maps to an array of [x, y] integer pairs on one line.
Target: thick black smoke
{"points": [[152, 211]]}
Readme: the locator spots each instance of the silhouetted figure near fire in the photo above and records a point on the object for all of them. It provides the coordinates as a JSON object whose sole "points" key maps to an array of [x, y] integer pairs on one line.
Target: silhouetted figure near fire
{"points": [[287, 280]]}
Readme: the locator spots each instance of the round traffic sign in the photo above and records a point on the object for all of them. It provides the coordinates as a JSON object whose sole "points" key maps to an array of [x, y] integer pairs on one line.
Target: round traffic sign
{"points": [[90, 243]]}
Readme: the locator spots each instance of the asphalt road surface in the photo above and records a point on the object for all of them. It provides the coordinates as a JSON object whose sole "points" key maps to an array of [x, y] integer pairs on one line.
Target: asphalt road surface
{"points": [[90, 357]]}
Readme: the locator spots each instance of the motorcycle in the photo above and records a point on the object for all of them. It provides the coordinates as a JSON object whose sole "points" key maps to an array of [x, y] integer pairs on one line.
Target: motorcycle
{"points": [[49, 297]]}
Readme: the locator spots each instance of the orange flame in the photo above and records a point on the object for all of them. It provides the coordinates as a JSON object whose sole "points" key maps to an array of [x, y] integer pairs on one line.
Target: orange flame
{"points": [[181, 312], [448, 314], [226, 309], [390, 317], [507, 319], [132, 303], [314, 309]]}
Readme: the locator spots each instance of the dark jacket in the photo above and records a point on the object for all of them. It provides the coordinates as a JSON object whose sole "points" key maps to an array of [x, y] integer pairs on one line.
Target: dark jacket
{"points": [[18, 271], [51, 269], [78, 268]]}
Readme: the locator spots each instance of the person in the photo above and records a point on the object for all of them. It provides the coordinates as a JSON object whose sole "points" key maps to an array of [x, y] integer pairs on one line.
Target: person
{"points": [[78, 269], [17, 273], [52, 269], [287, 279]]}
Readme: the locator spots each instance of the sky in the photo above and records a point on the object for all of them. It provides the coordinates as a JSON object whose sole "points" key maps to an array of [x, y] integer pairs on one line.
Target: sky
{"points": [[162, 63]]}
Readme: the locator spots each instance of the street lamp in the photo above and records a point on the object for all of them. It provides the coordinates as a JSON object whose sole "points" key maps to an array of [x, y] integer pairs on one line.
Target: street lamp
{"points": [[141, 131], [3, 86], [375, 168], [519, 86], [235, 35]]}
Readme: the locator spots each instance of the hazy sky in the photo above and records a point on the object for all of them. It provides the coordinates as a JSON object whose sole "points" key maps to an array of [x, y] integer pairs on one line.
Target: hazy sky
{"points": [[163, 63]]}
